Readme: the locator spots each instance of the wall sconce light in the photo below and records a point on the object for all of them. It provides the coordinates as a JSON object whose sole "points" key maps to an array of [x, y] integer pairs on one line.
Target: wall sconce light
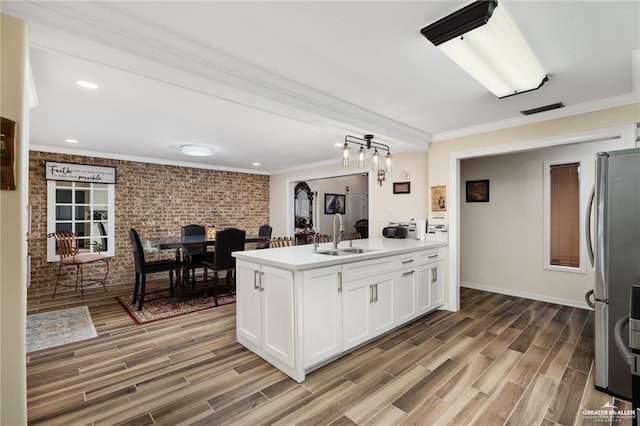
{"points": [[482, 39], [368, 143]]}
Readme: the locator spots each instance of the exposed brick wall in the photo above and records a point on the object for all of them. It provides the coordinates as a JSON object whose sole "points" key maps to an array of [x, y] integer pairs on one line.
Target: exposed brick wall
{"points": [[154, 199]]}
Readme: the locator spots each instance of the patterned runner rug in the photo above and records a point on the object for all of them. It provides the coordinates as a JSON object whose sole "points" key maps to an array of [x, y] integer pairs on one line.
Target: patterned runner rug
{"points": [[55, 328], [161, 305]]}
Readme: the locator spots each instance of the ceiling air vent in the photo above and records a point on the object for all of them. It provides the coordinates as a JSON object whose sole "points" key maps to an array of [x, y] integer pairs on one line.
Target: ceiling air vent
{"points": [[542, 108]]}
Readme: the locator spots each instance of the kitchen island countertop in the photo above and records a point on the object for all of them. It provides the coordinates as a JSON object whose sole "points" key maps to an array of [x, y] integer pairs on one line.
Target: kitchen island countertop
{"points": [[303, 257]]}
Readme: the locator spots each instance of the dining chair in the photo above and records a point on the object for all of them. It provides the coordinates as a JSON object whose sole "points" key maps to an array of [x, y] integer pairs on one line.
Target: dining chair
{"points": [[193, 257], [264, 231], [144, 267], [362, 227], [68, 247], [324, 238], [227, 241], [282, 242], [351, 235]]}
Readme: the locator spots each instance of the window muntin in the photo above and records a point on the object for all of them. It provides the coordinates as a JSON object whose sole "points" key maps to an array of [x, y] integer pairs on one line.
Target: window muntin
{"points": [[84, 208]]}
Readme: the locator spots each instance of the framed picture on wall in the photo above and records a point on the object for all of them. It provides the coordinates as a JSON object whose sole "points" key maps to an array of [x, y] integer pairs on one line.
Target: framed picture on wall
{"points": [[334, 203], [7, 154], [478, 191], [439, 198], [401, 187]]}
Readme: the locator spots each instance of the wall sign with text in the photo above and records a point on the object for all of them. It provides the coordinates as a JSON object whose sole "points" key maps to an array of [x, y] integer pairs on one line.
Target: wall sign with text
{"points": [[79, 172]]}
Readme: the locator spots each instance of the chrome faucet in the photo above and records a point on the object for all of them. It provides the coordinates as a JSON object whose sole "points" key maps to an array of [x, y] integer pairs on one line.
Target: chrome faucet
{"points": [[337, 236]]}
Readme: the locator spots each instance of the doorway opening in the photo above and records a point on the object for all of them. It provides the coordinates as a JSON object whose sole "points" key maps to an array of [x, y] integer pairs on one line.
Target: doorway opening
{"points": [[314, 211]]}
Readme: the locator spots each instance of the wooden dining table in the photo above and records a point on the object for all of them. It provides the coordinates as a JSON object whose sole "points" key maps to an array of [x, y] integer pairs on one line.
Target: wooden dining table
{"points": [[192, 241], [182, 244]]}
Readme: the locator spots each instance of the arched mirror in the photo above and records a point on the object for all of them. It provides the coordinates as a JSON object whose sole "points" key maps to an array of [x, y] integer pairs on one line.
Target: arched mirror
{"points": [[303, 206]]}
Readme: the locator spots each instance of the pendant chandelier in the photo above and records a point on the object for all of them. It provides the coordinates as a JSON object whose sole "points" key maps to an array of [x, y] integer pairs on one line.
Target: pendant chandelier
{"points": [[366, 142]]}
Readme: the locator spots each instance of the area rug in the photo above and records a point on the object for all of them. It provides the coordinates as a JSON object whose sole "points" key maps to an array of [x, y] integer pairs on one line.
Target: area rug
{"points": [[56, 328], [161, 305]]}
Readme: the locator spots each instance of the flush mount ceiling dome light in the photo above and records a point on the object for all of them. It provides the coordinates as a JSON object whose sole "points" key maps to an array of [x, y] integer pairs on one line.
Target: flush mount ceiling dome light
{"points": [[87, 84], [196, 150], [482, 39]]}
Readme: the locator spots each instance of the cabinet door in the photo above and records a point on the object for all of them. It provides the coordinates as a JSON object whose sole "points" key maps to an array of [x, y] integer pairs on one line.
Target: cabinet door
{"points": [[405, 287], [248, 308], [357, 296], [383, 306], [277, 314], [424, 289], [322, 314], [437, 284]]}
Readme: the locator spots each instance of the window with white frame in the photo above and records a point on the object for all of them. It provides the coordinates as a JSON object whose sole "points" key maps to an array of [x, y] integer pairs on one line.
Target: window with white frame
{"points": [[87, 209], [564, 194]]}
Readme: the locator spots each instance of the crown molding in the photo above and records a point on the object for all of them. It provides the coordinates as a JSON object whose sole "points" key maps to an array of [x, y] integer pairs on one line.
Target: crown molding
{"points": [[568, 111], [537, 118], [110, 156], [118, 34]]}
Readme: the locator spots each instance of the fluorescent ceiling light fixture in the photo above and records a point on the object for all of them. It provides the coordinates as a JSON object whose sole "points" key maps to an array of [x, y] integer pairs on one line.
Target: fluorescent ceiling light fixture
{"points": [[196, 150], [482, 39], [87, 84], [69, 140]]}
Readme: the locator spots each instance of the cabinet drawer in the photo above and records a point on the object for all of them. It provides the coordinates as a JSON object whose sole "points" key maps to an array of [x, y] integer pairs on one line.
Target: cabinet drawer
{"points": [[430, 256], [367, 268], [406, 260]]}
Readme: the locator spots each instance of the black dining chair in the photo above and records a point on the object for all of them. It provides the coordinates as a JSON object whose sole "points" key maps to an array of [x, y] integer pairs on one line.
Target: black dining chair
{"points": [[143, 267], [227, 241], [264, 231], [193, 257]]}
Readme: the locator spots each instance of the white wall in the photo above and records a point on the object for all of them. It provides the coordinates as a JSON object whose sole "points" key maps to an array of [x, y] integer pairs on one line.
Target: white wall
{"points": [[13, 227], [502, 241], [384, 206], [444, 157]]}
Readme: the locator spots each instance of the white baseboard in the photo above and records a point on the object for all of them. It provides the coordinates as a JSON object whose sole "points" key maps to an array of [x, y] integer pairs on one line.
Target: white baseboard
{"points": [[527, 295]]}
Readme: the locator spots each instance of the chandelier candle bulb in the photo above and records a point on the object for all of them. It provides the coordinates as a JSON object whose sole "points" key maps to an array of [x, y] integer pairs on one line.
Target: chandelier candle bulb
{"points": [[361, 158], [345, 155]]}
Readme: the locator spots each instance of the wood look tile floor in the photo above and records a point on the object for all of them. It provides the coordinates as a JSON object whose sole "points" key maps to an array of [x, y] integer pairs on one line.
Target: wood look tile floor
{"points": [[500, 360]]}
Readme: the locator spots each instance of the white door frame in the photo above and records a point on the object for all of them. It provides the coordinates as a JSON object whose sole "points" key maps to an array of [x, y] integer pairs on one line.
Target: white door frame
{"points": [[627, 132]]}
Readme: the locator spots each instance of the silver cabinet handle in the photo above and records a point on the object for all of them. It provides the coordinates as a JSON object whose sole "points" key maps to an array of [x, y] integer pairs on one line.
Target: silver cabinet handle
{"points": [[376, 300], [404, 262], [255, 280], [370, 293], [261, 276], [339, 282], [404, 274], [433, 256], [434, 275]]}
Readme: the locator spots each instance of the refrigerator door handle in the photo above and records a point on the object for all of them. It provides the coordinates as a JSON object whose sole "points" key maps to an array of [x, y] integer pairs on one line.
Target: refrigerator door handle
{"points": [[587, 226], [587, 298], [626, 354]]}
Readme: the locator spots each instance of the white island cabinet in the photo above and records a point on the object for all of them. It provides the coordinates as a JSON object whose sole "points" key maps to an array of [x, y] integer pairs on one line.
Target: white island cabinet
{"points": [[299, 309]]}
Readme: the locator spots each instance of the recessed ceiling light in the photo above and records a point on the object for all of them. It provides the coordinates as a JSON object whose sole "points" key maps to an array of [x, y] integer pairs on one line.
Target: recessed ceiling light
{"points": [[196, 150], [87, 84], [338, 144], [71, 140], [256, 164]]}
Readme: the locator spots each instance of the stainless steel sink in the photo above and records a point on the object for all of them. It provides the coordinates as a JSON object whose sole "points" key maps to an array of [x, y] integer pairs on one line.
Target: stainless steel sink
{"points": [[343, 251]]}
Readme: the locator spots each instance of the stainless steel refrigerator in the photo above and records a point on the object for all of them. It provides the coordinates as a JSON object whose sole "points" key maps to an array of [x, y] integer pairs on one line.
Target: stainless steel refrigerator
{"points": [[615, 254]]}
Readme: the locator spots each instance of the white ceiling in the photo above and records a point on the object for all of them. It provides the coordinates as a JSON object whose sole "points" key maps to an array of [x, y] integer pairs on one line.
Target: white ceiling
{"points": [[280, 83]]}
